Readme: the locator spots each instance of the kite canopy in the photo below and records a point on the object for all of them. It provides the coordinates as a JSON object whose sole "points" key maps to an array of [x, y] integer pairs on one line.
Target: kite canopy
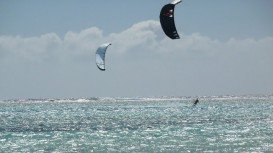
{"points": [[100, 56], [176, 2], [167, 20]]}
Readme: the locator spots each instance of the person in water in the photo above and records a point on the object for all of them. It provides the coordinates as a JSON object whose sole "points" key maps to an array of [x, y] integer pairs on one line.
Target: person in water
{"points": [[196, 102]]}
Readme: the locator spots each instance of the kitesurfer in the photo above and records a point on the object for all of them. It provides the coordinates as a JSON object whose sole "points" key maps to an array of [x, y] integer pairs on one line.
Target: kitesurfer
{"points": [[195, 102]]}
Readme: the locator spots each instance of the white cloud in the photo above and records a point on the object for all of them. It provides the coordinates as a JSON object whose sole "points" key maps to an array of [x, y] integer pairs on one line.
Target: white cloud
{"points": [[145, 60], [143, 37], [142, 34]]}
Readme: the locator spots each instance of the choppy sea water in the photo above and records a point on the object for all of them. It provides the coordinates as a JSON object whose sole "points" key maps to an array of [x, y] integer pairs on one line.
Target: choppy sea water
{"points": [[165, 124]]}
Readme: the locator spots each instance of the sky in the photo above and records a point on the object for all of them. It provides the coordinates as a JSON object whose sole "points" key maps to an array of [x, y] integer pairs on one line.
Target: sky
{"points": [[47, 49]]}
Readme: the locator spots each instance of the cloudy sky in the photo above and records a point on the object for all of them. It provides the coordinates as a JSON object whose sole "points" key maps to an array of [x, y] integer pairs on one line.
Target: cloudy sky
{"points": [[47, 48]]}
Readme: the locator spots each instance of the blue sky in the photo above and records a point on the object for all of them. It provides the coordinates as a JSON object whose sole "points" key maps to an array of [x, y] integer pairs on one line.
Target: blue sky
{"points": [[217, 18], [46, 48]]}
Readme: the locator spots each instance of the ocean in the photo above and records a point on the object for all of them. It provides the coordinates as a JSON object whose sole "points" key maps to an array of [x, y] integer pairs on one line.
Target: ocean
{"points": [[153, 124]]}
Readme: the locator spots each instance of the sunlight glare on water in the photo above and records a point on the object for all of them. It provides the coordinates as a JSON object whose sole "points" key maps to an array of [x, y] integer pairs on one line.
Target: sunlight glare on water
{"points": [[216, 124]]}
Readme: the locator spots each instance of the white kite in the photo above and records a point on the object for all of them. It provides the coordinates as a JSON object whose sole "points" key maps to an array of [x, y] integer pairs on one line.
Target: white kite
{"points": [[100, 56]]}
